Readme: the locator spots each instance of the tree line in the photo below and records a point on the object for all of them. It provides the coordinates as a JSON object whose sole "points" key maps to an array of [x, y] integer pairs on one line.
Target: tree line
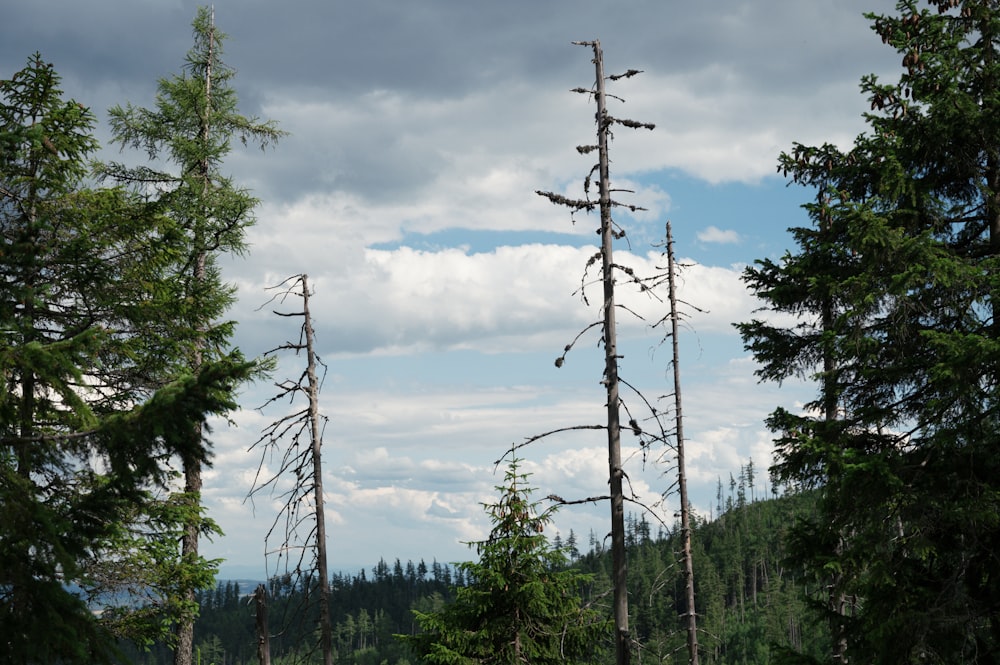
{"points": [[753, 605]]}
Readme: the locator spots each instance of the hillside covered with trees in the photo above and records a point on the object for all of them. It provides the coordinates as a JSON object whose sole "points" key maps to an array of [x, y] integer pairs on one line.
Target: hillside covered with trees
{"points": [[752, 605]]}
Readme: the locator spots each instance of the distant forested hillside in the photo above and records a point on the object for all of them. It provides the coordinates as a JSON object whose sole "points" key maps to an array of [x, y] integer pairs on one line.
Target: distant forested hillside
{"points": [[750, 604]]}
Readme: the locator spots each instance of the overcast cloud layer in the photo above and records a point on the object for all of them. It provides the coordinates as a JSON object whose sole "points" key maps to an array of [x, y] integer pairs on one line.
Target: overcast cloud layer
{"points": [[444, 287]]}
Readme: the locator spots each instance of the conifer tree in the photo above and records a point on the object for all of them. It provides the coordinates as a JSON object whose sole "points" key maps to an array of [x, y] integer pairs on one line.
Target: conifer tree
{"points": [[192, 128], [521, 604], [893, 291], [82, 439]]}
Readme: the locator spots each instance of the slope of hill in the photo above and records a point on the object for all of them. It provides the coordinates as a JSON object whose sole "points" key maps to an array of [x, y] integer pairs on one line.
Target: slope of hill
{"points": [[750, 605]]}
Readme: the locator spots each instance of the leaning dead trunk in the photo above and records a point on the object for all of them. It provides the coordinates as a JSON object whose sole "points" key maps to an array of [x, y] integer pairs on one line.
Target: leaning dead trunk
{"points": [[326, 636]]}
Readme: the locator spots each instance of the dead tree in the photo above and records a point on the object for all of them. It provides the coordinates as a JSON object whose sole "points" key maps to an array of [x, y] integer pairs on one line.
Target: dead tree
{"points": [[692, 621], [298, 438], [609, 231], [263, 630]]}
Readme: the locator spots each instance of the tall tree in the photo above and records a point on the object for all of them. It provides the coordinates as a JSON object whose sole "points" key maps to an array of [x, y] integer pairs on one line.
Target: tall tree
{"points": [[298, 438], [610, 271], [521, 604], [691, 619], [893, 291], [192, 127], [81, 439]]}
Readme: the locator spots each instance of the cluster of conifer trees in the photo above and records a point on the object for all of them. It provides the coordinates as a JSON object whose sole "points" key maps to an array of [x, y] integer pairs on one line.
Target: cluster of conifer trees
{"points": [[115, 351], [752, 606]]}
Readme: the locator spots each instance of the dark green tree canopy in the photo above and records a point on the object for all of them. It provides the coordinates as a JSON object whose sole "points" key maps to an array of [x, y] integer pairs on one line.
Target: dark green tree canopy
{"points": [[892, 297], [186, 137], [521, 603], [83, 434]]}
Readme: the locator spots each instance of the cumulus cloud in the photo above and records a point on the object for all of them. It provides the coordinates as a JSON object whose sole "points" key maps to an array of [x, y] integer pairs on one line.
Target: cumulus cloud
{"points": [[714, 234]]}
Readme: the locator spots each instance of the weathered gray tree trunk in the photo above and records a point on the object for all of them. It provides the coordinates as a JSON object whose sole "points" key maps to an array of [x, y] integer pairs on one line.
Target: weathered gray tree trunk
{"points": [[692, 620], [304, 463], [618, 558], [608, 232], [326, 637]]}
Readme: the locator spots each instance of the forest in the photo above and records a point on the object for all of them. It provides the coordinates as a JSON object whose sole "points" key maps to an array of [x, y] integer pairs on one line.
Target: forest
{"points": [[880, 547], [756, 608]]}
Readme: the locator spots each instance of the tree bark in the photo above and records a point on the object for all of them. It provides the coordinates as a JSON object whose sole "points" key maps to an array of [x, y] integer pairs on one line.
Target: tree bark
{"points": [[263, 631], [326, 636], [616, 473], [692, 620]]}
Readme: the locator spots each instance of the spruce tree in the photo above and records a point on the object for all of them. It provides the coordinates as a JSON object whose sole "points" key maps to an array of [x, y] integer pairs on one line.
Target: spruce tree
{"points": [[892, 291], [521, 603]]}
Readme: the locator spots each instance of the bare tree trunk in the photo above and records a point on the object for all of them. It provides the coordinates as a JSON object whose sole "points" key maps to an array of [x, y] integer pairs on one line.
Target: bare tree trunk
{"points": [[263, 631], [692, 621], [326, 638], [608, 233], [618, 558], [305, 462]]}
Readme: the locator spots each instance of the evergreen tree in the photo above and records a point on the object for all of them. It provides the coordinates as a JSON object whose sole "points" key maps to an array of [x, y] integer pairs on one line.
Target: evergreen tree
{"points": [[82, 437], [521, 604], [192, 128], [751, 606], [894, 289]]}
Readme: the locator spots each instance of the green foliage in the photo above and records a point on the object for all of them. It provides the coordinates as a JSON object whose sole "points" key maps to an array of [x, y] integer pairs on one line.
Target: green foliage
{"points": [[88, 415], [186, 138], [136, 585], [893, 293], [521, 604], [753, 607], [191, 129]]}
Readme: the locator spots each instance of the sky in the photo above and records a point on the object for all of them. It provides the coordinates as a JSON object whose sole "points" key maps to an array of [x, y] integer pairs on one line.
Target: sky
{"points": [[443, 287]]}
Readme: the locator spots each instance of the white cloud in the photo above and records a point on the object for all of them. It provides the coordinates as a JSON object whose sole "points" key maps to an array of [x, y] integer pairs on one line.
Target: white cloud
{"points": [[713, 234], [417, 462], [513, 298]]}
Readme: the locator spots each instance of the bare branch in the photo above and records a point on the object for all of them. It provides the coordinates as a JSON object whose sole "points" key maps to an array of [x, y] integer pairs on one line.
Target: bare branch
{"points": [[532, 439], [590, 499], [562, 359], [628, 74]]}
